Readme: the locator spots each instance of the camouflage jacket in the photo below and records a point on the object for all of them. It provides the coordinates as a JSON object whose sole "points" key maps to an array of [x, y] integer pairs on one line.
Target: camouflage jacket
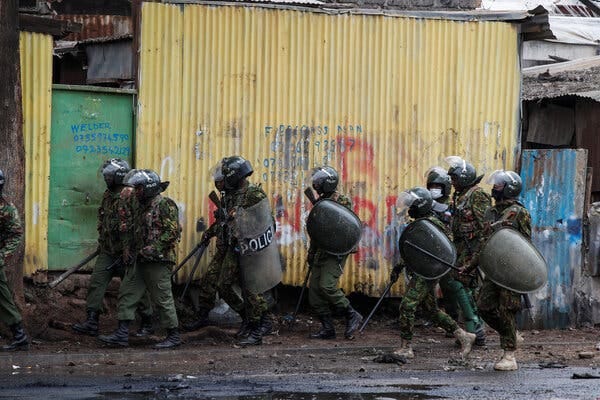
{"points": [[109, 235], [508, 212], [468, 213], [126, 207], [314, 252], [157, 230], [245, 197], [11, 230]]}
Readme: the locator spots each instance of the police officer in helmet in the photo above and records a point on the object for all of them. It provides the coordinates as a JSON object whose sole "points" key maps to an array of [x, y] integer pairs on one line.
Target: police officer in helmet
{"points": [[324, 295]]}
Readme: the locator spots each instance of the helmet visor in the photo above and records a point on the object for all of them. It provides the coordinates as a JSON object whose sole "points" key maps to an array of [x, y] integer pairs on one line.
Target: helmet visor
{"points": [[498, 178], [456, 162], [404, 201], [216, 172], [437, 170]]}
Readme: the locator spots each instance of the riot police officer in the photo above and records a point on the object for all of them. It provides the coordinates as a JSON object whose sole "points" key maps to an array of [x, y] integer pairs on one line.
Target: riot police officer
{"points": [[256, 260], [219, 277], [498, 306], [420, 291], [324, 295], [469, 204], [151, 257], [11, 232], [110, 245]]}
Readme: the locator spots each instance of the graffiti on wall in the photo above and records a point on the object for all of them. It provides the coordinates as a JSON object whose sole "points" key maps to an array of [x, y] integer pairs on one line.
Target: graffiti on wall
{"points": [[294, 150]]}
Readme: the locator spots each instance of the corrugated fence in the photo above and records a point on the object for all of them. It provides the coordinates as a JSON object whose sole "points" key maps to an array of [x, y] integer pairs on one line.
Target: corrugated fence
{"points": [[36, 81], [380, 98]]}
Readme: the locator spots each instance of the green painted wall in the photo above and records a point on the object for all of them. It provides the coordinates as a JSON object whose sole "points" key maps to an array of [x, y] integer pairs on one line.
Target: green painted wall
{"points": [[88, 127]]}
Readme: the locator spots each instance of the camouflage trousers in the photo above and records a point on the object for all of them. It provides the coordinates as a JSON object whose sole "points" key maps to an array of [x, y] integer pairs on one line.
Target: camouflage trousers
{"points": [[9, 314], [499, 307], [220, 278], [455, 292], [154, 277], [324, 295], [420, 292], [100, 280], [255, 305]]}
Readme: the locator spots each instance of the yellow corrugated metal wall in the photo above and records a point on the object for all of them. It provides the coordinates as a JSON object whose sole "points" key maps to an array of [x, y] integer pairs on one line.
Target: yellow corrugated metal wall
{"points": [[380, 98], [36, 82]]}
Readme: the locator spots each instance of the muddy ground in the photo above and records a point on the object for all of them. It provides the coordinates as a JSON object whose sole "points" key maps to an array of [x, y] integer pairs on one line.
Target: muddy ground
{"points": [[62, 364], [49, 314]]}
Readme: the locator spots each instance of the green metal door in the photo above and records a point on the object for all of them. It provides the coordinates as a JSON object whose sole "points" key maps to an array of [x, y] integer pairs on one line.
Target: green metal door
{"points": [[89, 126]]}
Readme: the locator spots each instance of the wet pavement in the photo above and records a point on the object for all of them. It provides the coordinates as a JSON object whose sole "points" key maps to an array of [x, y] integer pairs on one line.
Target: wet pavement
{"points": [[331, 371]]}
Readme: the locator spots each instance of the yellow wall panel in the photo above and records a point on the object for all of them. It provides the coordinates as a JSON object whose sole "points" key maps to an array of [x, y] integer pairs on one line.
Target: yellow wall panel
{"points": [[379, 98], [36, 82]]}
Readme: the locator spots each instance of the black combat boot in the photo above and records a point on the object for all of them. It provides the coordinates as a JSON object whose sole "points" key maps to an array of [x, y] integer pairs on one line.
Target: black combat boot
{"points": [[201, 322], [327, 330], [266, 324], [120, 337], [480, 336], [353, 320], [146, 327], [244, 330], [172, 340], [89, 326], [20, 339], [255, 336]]}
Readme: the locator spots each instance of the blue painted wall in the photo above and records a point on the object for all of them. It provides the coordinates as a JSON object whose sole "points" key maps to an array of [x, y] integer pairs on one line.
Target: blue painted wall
{"points": [[554, 193]]}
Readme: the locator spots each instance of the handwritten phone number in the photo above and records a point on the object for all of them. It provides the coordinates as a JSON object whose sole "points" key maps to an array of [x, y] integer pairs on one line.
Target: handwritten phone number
{"points": [[112, 150], [101, 137]]}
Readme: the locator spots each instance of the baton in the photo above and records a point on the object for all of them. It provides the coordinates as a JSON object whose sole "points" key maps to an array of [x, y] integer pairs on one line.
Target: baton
{"points": [[194, 251], [73, 269], [411, 244], [385, 292], [293, 321], [194, 268]]}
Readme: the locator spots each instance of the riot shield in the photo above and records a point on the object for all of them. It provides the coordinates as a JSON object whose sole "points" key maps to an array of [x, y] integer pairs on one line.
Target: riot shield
{"points": [[510, 260], [333, 227], [426, 250], [260, 263]]}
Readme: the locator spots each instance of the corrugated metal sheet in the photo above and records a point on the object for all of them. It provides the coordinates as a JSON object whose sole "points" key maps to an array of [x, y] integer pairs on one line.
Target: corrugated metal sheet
{"points": [[36, 81], [554, 193], [379, 98], [95, 26]]}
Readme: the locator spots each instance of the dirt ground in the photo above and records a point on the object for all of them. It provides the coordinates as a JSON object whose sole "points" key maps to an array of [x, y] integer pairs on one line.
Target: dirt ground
{"points": [[49, 315]]}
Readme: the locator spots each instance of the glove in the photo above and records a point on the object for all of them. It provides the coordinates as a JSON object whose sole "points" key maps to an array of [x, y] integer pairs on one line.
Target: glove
{"points": [[396, 271], [126, 257]]}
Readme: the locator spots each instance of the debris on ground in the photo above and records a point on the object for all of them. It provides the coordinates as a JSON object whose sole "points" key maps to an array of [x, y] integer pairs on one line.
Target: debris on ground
{"points": [[390, 358]]}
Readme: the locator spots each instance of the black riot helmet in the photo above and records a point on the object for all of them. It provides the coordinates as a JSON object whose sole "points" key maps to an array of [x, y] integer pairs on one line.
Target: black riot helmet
{"points": [[1, 181], [462, 173], [439, 176], [418, 201], [148, 180], [507, 184], [325, 180], [234, 169], [114, 170]]}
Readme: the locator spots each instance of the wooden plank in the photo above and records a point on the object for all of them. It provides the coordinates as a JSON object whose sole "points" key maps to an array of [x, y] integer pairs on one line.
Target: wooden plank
{"points": [[54, 27]]}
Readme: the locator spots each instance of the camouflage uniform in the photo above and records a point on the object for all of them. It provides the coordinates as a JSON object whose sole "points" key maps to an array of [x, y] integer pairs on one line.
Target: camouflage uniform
{"points": [[255, 305], [217, 277], [420, 292], [152, 242], [324, 295], [11, 234], [499, 306], [110, 244], [468, 209]]}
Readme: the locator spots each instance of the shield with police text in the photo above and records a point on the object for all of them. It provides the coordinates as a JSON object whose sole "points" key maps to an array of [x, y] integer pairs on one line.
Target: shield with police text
{"points": [[260, 263], [426, 250], [333, 227], [510, 260]]}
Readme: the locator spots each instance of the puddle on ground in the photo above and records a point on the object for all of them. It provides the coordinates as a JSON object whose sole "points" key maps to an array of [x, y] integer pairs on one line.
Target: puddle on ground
{"points": [[269, 396]]}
